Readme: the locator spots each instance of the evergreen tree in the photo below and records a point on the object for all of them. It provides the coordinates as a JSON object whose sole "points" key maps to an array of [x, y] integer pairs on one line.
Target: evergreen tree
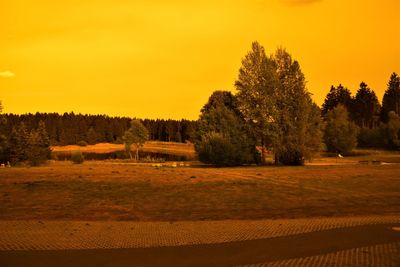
{"points": [[43, 142], [19, 144], [3, 137], [91, 136], [337, 95], [366, 107], [391, 98]]}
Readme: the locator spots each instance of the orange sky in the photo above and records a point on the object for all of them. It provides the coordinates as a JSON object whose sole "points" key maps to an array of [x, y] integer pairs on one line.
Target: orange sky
{"points": [[162, 59]]}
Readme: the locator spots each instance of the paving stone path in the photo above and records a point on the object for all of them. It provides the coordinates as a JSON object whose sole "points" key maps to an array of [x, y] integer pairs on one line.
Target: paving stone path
{"points": [[355, 241]]}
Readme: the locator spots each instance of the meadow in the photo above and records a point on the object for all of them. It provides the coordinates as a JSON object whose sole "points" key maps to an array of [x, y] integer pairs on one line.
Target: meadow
{"points": [[121, 190]]}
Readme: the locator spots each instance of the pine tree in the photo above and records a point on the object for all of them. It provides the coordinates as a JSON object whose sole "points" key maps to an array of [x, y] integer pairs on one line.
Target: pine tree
{"points": [[366, 107], [19, 144], [337, 95], [391, 98]]}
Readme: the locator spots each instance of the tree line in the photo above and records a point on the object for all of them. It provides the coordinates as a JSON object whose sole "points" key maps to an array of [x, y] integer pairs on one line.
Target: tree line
{"points": [[71, 129], [375, 125]]}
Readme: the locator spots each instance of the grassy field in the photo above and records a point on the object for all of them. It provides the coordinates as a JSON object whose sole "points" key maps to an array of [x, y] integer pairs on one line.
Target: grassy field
{"points": [[121, 191]]}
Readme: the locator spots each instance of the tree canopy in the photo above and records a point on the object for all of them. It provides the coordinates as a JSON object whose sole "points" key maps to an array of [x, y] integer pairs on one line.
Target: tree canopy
{"points": [[136, 135]]}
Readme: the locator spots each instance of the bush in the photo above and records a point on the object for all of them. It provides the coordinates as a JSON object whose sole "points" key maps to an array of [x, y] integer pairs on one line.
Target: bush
{"points": [[216, 149], [77, 157], [340, 134], [82, 143], [291, 156]]}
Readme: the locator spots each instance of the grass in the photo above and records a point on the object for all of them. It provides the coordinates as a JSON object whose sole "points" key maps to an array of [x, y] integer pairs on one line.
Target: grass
{"points": [[108, 191]]}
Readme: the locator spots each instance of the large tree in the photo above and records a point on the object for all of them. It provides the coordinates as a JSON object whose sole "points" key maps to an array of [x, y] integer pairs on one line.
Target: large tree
{"points": [[136, 135], [366, 107], [298, 127], [391, 98], [276, 104], [257, 85]]}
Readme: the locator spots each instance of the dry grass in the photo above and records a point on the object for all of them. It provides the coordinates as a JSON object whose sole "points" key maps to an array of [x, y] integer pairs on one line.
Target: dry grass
{"points": [[110, 191]]}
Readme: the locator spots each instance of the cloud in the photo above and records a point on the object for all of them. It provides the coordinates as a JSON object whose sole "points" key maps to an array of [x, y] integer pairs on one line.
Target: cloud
{"points": [[6, 74], [299, 2]]}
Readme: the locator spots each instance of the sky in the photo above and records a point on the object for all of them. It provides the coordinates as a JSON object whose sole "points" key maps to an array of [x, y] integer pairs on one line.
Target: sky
{"points": [[163, 59]]}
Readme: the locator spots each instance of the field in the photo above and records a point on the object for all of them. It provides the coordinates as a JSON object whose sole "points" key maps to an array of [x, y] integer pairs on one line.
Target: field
{"points": [[125, 191]]}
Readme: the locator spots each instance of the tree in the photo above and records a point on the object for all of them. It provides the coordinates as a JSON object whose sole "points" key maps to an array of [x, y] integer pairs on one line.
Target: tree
{"points": [[298, 127], [337, 95], [18, 144], [43, 142], [3, 138], [393, 130], [366, 107], [91, 136], [340, 134], [391, 98], [222, 131], [214, 148], [136, 135], [276, 104], [257, 85]]}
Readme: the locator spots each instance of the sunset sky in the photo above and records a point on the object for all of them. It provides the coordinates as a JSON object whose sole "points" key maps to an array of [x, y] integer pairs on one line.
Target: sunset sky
{"points": [[162, 59]]}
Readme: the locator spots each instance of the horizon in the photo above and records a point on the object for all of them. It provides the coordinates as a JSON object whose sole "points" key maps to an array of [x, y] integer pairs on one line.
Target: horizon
{"points": [[144, 60]]}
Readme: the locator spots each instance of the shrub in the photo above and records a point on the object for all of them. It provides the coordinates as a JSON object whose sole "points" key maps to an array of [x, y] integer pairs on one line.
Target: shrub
{"points": [[340, 134], [82, 143], [216, 149], [77, 157]]}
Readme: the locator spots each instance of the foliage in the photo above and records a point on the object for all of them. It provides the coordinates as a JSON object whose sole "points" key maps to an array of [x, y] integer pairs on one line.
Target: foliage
{"points": [[3, 138], [70, 128], [339, 95], [340, 134], [221, 128], [137, 135], [366, 107], [18, 144], [216, 149], [256, 85], [392, 131], [298, 127], [276, 105], [91, 136], [77, 157], [391, 98]]}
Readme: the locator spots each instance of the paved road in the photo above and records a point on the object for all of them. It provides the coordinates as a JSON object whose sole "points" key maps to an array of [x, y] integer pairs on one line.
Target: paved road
{"points": [[218, 254]]}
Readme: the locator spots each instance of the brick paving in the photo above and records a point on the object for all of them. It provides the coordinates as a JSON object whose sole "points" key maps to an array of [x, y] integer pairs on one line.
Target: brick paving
{"points": [[383, 255], [67, 235]]}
